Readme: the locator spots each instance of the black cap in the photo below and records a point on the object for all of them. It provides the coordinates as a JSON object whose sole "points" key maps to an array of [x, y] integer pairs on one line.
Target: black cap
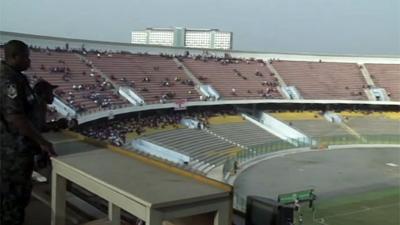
{"points": [[42, 86]]}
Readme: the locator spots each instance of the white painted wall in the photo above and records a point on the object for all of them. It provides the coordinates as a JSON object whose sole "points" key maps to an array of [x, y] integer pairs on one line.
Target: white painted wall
{"points": [[159, 151], [62, 108], [282, 128], [130, 95]]}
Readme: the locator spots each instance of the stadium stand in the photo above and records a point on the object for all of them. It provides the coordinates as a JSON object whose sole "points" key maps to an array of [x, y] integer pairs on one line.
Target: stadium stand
{"points": [[155, 78], [323, 80], [79, 87], [386, 76], [158, 79], [225, 119], [235, 78], [197, 144], [246, 134], [312, 124], [372, 123]]}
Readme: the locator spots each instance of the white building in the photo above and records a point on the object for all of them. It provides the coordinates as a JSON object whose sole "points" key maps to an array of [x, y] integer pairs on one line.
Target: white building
{"points": [[184, 37]]}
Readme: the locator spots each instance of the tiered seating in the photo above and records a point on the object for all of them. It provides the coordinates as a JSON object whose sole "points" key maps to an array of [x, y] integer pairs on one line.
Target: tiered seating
{"points": [[79, 74], [125, 68], [310, 123], [318, 128], [323, 80], [246, 133], [224, 77], [192, 142], [373, 124], [386, 76], [42, 62]]}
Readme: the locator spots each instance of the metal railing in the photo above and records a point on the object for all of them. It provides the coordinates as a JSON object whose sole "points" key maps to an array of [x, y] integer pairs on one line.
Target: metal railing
{"points": [[239, 201], [315, 143]]}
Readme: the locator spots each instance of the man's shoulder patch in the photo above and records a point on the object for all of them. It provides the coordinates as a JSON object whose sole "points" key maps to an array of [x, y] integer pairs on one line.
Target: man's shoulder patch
{"points": [[12, 91]]}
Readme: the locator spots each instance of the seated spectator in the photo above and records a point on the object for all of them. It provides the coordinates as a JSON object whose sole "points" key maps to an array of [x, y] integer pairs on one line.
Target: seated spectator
{"points": [[65, 77], [165, 83], [188, 82], [202, 78]]}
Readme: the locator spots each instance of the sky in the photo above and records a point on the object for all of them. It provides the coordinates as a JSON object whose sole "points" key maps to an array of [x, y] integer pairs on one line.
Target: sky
{"points": [[355, 27]]}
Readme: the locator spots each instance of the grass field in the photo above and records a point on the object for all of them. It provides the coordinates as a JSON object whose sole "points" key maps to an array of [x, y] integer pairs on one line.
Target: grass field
{"points": [[372, 208]]}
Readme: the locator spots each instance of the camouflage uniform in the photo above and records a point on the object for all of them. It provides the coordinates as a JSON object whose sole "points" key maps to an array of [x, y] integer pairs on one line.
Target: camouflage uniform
{"points": [[16, 156]]}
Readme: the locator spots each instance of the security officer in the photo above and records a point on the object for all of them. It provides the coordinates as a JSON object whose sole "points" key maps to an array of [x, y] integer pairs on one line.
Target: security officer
{"points": [[16, 133]]}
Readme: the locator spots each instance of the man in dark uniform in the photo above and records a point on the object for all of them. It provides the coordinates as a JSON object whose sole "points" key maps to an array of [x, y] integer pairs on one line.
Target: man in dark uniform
{"points": [[16, 133]]}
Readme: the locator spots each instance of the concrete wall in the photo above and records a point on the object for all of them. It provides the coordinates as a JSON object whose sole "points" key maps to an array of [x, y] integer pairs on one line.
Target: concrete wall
{"points": [[280, 127], [159, 151], [89, 116]]}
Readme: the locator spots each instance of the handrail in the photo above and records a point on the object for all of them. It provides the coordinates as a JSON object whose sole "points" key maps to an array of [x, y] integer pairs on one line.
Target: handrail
{"points": [[239, 201], [317, 143]]}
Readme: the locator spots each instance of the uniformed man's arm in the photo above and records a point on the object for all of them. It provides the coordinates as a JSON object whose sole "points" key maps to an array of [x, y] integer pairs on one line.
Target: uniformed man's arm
{"points": [[25, 128]]}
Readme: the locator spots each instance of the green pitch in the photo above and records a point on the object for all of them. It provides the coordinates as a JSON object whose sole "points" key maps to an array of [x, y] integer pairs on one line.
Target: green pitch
{"points": [[371, 208]]}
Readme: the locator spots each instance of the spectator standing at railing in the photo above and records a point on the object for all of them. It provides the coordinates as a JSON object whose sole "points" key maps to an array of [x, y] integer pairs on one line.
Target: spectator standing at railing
{"points": [[17, 132], [44, 96]]}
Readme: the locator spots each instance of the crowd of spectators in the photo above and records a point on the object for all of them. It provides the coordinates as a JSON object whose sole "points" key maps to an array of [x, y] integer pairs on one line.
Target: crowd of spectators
{"points": [[115, 131], [225, 59], [93, 91]]}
